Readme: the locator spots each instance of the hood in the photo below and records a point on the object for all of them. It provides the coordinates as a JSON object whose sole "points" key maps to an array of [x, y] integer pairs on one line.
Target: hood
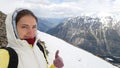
{"points": [[9, 29], [12, 35]]}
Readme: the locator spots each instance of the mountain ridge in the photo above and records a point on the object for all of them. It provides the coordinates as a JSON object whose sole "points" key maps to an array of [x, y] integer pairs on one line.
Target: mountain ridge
{"points": [[98, 36]]}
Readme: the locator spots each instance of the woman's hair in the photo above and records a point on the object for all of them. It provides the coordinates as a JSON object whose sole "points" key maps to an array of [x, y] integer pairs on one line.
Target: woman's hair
{"points": [[24, 12]]}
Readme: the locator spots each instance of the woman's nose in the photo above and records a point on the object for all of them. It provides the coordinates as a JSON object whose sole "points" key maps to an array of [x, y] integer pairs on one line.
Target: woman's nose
{"points": [[30, 31]]}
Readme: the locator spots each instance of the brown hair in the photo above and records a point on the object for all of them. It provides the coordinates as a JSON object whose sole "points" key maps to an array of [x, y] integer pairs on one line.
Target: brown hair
{"points": [[24, 12]]}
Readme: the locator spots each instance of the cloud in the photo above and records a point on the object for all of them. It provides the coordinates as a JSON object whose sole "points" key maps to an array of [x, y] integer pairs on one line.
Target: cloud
{"points": [[36, 1], [7, 6], [62, 8]]}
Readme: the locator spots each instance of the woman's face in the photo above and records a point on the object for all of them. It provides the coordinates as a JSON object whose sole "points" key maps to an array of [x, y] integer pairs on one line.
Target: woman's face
{"points": [[27, 27]]}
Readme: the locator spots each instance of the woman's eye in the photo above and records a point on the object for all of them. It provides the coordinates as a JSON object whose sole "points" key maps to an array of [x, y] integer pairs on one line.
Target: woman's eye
{"points": [[34, 26], [24, 27]]}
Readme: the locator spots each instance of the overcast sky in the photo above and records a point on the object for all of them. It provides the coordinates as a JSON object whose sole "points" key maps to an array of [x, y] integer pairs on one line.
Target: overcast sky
{"points": [[63, 8]]}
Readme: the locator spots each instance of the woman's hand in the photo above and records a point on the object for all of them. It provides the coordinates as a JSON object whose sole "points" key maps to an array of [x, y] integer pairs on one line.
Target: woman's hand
{"points": [[58, 62]]}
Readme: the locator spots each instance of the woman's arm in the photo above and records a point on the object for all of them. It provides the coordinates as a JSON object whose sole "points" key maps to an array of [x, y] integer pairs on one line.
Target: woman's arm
{"points": [[4, 58]]}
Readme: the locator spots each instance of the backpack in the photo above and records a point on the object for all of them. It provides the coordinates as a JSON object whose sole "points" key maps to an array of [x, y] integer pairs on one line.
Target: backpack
{"points": [[13, 61]]}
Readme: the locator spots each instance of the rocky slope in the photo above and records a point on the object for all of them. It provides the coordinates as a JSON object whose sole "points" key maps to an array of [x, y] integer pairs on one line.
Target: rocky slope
{"points": [[3, 39]]}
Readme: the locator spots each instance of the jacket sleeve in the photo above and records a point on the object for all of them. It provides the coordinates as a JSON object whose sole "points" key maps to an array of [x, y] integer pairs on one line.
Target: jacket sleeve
{"points": [[53, 66], [4, 58]]}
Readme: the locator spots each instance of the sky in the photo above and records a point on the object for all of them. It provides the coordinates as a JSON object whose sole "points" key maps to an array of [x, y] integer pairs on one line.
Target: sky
{"points": [[63, 8], [73, 57]]}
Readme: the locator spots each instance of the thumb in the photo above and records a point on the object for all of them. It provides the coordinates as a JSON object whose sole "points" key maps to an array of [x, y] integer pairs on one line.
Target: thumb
{"points": [[58, 62], [56, 54]]}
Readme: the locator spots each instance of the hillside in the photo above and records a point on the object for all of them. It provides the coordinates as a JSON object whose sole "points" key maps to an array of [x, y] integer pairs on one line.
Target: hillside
{"points": [[73, 57]]}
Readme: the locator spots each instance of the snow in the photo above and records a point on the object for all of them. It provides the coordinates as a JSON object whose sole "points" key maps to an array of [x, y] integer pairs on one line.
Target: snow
{"points": [[73, 57]]}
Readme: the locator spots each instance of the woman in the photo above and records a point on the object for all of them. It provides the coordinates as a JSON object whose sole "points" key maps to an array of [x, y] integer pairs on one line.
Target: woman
{"points": [[23, 37]]}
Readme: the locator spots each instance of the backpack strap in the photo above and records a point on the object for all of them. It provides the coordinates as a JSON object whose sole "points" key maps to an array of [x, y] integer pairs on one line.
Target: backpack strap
{"points": [[13, 61], [41, 46]]}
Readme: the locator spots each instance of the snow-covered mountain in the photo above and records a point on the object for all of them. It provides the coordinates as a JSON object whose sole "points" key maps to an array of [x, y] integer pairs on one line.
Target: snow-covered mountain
{"points": [[73, 57], [45, 24], [98, 35]]}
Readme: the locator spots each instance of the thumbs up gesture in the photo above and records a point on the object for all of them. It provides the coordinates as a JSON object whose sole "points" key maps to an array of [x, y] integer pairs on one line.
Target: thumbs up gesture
{"points": [[58, 62]]}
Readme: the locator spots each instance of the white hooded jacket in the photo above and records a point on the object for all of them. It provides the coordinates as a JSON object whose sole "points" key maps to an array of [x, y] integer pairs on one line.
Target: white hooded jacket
{"points": [[27, 57]]}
